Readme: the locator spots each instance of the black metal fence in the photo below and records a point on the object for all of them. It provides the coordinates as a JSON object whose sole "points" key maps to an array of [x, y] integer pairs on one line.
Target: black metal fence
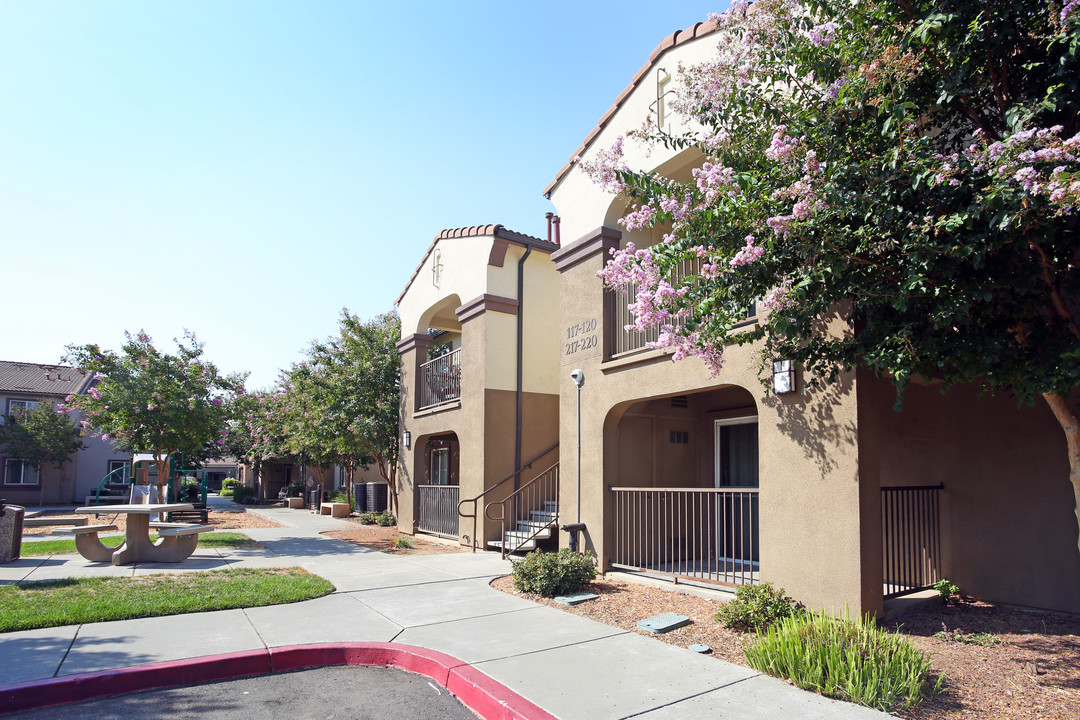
{"points": [[911, 537]]}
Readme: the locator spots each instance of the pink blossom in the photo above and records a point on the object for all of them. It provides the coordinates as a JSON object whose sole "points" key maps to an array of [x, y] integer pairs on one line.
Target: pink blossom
{"points": [[748, 254], [217, 402]]}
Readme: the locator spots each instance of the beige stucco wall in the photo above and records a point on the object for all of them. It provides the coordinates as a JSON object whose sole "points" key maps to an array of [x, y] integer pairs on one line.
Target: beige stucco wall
{"points": [[581, 204], [1009, 532], [811, 533], [483, 420]]}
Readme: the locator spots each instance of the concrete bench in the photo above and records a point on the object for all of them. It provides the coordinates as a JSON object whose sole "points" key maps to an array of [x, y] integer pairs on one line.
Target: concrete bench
{"points": [[334, 509], [84, 530], [46, 521], [87, 542], [178, 530], [294, 503]]}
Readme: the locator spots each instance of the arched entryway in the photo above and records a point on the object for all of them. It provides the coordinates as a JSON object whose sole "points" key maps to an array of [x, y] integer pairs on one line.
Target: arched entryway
{"points": [[437, 498], [684, 486]]}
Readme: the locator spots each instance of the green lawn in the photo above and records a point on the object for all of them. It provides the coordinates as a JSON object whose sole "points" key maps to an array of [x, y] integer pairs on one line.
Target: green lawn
{"points": [[66, 546], [83, 600]]}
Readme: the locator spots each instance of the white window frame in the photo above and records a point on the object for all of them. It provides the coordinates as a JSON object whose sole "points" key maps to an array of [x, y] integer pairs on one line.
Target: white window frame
{"points": [[444, 465], [24, 404], [23, 466], [123, 477]]}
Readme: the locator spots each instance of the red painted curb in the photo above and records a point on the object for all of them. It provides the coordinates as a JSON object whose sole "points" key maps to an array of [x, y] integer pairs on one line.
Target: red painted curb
{"points": [[155, 676], [491, 700], [486, 697]]}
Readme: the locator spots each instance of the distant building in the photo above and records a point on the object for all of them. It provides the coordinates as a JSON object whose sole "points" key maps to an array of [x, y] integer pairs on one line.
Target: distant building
{"points": [[26, 385]]}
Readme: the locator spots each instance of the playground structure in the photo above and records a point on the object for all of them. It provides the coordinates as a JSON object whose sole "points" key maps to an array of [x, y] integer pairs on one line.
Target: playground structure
{"points": [[116, 486]]}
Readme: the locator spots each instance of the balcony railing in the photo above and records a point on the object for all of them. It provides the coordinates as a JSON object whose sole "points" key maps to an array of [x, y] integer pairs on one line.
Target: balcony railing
{"points": [[622, 341], [440, 380], [705, 534], [911, 537], [437, 510]]}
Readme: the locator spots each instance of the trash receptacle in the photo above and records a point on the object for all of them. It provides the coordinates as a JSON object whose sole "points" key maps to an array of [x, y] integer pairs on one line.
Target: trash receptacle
{"points": [[11, 527], [313, 500]]}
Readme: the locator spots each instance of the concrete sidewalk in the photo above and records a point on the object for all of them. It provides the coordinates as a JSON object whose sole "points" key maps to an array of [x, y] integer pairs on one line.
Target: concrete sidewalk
{"points": [[570, 666]]}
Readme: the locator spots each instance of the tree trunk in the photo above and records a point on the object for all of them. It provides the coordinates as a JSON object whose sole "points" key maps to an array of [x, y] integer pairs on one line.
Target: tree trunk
{"points": [[349, 471], [391, 484], [1071, 425]]}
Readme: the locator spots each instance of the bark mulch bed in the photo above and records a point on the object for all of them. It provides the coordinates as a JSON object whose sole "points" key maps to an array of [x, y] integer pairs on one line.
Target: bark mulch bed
{"points": [[999, 663], [382, 539]]}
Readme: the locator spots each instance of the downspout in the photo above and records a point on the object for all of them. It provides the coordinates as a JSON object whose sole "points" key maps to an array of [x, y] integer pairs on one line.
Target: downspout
{"points": [[520, 362]]}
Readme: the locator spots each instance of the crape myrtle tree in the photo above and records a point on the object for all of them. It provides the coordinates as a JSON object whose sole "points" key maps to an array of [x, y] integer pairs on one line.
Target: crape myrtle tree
{"points": [[153, 402], [256, 435], [908, 166], [343, 399], [41, 435]]}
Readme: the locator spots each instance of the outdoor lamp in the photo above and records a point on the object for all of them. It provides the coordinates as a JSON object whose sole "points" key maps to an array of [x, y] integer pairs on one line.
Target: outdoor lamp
{"points": [[406, 439], [783, 377]]}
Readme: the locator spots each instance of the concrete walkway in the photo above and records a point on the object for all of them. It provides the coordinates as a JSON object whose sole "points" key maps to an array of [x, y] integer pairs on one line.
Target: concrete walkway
{"points": [[570, 666]]}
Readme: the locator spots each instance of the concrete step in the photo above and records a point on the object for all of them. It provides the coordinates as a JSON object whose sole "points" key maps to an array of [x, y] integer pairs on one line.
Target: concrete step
{"points": [[497, 544], [542, 516]]}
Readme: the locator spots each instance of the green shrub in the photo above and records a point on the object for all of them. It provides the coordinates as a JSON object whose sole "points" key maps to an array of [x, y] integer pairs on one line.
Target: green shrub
{"points": [[228, 483], [840, 658], [403, 543], [225, 492], [552, 574], [369, 518], [386, 519], [756, 607], [946, 590], [190, 490], [244, 494]]}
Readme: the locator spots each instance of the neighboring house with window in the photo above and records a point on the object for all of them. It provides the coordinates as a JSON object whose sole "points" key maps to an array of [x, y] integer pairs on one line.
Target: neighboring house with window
{"points": [[829, 493], [24, 386], [480, 392]]}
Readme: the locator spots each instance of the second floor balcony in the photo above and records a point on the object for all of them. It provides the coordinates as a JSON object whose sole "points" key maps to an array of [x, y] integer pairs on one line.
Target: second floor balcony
{"points": [[440, 380]]}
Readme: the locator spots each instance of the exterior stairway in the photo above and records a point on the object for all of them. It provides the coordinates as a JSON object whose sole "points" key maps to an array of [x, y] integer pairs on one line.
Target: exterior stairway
{"points": [[526, 533]]}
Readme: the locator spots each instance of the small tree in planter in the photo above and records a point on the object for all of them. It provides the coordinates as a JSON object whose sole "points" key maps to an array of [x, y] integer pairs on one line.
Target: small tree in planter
{"points": [[154, 402]]}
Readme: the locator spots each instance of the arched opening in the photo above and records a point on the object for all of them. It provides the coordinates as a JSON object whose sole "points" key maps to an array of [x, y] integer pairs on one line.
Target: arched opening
{"points": [[684, 486], [439, 371], [438, 494]]}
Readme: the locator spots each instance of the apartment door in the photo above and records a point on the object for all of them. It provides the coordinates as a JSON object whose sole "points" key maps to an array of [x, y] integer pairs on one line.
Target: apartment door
{"points": [[736, 468]]}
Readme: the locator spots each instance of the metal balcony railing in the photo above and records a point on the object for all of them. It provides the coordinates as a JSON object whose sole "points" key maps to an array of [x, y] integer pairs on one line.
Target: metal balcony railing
{"points": [[437, 510], [440, 380], [704, 534]]}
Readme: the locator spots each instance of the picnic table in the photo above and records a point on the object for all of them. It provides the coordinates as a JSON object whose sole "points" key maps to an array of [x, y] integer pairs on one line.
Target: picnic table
{"points": [[175, 544]]}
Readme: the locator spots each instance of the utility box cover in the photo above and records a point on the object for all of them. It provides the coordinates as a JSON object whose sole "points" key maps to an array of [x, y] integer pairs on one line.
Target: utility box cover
{"points": [[664, 623], [576, 598]]}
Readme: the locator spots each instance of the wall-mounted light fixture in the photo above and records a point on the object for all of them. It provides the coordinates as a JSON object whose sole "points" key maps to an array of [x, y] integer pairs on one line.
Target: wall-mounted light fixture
{"points": [[406, 439], [783, 377]]}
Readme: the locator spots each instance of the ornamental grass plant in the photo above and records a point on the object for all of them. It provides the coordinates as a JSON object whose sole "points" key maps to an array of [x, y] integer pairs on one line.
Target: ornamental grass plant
{"points": [[852, 660]]}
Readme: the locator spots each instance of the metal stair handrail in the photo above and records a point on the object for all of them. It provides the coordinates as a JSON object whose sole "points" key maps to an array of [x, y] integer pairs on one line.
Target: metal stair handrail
{"points": [[513, 497], [511, 476]]}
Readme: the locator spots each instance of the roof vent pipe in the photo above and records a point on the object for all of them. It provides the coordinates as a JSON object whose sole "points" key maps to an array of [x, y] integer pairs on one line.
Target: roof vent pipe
{"points": [[556, 221], [549, 215]]}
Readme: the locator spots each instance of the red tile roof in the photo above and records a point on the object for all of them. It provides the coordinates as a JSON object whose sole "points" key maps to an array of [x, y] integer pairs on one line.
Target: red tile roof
{"points": [[479, 231], [676, 38]]}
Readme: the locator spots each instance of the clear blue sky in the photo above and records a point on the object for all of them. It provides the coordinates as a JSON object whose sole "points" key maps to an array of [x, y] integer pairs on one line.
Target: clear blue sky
{"points": [[245, 169]]}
